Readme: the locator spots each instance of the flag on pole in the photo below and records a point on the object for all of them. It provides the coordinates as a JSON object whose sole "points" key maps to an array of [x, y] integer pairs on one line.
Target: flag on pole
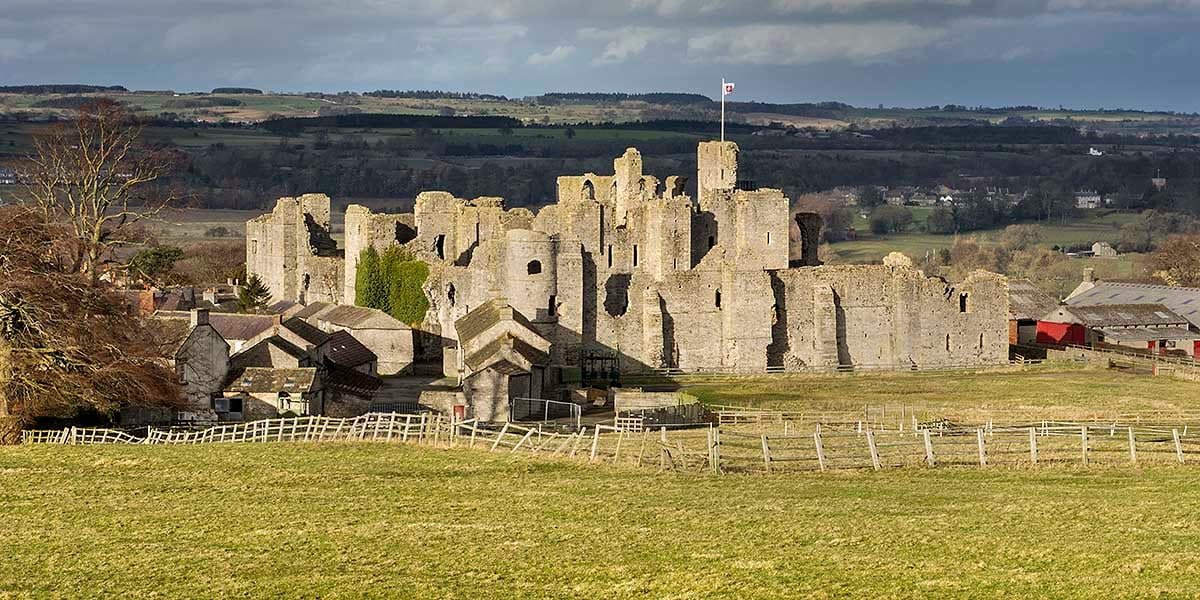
{"points": [[728, 89]]}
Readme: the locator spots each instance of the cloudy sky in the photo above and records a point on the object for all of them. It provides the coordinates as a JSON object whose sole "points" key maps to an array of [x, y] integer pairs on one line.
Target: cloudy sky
{"points": [[1078, 53]]}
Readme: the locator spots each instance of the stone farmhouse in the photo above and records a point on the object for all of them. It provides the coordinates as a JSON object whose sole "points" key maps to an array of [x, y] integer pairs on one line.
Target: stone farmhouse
{"points": [[243, 367], [626, 266]]}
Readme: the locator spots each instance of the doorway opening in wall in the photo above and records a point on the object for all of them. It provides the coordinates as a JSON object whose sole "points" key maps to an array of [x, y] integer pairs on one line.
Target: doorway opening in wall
{"points": [[712, 241], [534, 267], [439, 246], [553, 301]]}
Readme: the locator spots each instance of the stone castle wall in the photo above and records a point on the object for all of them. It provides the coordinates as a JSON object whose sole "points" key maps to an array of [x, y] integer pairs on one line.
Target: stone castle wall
{"points": [[624, 266]]}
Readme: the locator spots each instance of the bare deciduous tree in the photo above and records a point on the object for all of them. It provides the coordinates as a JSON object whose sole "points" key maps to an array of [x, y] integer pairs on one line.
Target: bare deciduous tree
{"points": [[94, 175], [68, 346]]}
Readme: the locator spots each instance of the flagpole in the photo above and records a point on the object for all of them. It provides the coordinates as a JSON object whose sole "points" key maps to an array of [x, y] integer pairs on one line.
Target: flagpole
{"points": [[722, 109]]}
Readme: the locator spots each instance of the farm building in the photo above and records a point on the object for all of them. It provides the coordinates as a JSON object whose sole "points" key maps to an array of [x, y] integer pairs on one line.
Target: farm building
{"points": [[1026, 304], [1151, 327], [284, 367], [1183, 301]]}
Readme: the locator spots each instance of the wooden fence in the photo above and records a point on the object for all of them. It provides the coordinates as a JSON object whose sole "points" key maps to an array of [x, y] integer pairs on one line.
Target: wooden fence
{"points": [[711, 449]]}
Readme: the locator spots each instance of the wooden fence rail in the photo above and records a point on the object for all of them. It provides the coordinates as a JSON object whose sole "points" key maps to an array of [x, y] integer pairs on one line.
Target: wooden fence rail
{"points": [[713, 449]]}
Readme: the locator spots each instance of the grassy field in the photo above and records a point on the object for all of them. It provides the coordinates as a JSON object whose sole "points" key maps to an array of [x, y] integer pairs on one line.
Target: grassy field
{"points": [[354, 520], [1042, 392], [1096, 226]]}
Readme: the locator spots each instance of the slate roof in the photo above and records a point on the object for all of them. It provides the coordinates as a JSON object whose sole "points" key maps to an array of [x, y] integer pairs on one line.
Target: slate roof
{"points": [[1026, 301], [312, 309], [360, 317], [1147, 334], [499, 351], [257, 380], [1183, 301], [484, 316], [231, 326], [345, 350], [346, 379], [306, 332], [1125, 315]]}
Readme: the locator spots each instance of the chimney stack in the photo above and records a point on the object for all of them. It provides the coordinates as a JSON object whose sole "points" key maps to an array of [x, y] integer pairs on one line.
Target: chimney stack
{"points": [[1089, 275], [199, 317]]}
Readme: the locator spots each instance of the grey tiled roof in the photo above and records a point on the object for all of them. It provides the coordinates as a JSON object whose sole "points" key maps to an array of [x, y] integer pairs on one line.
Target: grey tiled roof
{"points": [[1125, 315], [1027, 301], [1183, 301], [266, 380]]}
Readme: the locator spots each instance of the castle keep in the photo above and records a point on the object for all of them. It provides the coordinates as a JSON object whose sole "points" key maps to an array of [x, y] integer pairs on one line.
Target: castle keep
{"points": [[628, 266]]}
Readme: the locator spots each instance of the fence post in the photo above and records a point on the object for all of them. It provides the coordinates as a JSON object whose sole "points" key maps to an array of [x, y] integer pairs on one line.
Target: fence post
{"points": [[503, 430], [1178, 445], [819, 446], [928, 448], [642, 449], [717, 449], [527, 434], [874, 451], [595, 444], [766, 451], [1033, 445], [662, 448], [617, 453], [578, 438], [1083, 437], [474, 429], [1132, 448], [982, 452]]}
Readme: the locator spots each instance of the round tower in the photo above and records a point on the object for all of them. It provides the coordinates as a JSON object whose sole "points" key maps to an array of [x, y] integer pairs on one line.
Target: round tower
{"points": [[530, 274]]}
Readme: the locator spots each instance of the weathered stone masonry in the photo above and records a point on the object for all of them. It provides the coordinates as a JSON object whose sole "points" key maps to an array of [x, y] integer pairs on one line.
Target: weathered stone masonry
{"points": [[625, 265]]}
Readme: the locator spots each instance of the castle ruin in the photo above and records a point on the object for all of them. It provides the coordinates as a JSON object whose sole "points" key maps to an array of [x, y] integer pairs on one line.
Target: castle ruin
{"points": [[630, 267]]}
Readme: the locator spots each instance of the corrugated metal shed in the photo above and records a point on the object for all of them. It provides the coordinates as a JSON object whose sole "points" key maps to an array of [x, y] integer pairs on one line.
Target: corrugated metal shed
{"points": [[1182, 301], [1122, 315]]}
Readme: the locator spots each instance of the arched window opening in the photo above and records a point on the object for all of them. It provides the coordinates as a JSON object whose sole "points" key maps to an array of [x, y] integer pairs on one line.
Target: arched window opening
{"points": [[450, 294], [610, 256], [439, 246], [534, 267], [768, 238], [981, 341], [635, 255], [947, 342], [717, 299], [962, 303], [589, 191]]}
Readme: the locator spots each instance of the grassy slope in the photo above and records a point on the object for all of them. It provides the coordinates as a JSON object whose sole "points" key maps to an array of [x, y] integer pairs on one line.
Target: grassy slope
{"points": [[1044, 392], [344, 520]]}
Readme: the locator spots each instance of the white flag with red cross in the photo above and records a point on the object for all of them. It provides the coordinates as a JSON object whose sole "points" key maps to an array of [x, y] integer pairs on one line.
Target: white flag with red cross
{"points": [[728, 89]]}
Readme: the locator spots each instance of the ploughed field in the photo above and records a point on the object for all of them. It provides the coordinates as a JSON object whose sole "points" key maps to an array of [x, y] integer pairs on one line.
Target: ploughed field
{"points": [[360, 519]]}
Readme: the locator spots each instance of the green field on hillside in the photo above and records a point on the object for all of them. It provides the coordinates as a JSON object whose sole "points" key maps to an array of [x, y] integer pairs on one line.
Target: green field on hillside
{"points": [[1092, 226], [351, 520]]}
